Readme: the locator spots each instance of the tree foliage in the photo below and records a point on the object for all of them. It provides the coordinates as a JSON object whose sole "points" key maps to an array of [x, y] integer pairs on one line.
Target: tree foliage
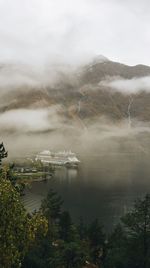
{"points": [[129, 244], [3, 152], [62, 246], [18, 229]]}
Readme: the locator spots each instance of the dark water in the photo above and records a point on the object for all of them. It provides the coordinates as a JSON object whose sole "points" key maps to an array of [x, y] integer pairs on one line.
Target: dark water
{"points": [[105, 185]]}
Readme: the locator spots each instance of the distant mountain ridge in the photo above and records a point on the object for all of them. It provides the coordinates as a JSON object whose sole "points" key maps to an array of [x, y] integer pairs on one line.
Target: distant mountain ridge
{"points": [[98, 71]]}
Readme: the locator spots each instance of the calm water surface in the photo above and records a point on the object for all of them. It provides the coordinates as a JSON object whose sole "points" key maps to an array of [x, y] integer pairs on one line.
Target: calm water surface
{"points": [[104, 186]]}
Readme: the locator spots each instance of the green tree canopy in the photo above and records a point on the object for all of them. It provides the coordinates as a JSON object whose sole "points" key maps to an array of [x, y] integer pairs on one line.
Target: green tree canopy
{"points": [[18, 229], [129, 244]]}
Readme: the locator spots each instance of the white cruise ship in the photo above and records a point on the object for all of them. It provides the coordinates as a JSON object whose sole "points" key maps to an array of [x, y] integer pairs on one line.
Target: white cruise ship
{"points": [[60, 158]]}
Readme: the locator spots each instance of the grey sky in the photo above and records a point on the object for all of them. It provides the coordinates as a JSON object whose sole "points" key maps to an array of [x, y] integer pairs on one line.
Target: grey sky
{"points": [[72, 31]]}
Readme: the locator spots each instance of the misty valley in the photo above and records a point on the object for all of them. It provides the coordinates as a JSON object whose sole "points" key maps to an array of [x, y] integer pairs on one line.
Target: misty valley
{"points": [[100, 112], [74, 134], [78, 158], [113, 171]]}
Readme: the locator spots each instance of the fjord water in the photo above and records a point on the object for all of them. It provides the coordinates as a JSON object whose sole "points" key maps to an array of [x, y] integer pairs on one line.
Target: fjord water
{"points": [[109, 178]]}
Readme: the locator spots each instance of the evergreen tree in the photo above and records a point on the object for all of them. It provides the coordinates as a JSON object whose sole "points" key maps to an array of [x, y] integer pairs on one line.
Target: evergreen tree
{"points": [[137, 226], [116, 256], [82, 229], [51, 206], [66, 227], [45, 252], [129, 244], [97, 241], [62, 247]]}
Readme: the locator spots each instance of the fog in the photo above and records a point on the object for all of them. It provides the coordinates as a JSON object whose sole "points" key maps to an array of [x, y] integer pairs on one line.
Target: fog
{"points": [[38, 32], [42, 43], [39, 125], [26, 132], [128, 86], [114, 154], [43, 106], [24, 76], [28, 120], [114, 166]]}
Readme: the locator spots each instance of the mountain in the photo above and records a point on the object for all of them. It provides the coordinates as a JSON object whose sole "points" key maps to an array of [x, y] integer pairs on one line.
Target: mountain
{"points": [[93, 73], [114, 103], [81, 96]]}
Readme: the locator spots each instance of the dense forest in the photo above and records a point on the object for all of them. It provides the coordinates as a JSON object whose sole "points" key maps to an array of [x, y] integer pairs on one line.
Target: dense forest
{"points": [[49, 237]]}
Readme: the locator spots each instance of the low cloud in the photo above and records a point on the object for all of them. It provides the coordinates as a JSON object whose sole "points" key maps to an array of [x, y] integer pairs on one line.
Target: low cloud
{"points": [[127, 86], [14, 77], [28, 120]]}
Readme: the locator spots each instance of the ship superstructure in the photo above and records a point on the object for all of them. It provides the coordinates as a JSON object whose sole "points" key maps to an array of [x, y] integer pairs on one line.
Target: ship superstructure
{"points": [[60, 158]]}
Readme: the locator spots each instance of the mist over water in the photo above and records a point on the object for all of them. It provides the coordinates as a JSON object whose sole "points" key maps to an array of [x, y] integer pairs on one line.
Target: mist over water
{"points": [[105, 185], [114, 169]]}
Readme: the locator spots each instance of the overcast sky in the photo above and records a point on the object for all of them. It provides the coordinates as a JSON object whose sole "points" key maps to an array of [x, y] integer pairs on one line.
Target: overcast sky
{"points": [[73, 31]]}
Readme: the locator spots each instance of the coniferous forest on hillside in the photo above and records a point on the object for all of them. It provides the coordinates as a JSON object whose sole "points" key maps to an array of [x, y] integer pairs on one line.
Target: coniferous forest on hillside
{"points": [[49, 237]]}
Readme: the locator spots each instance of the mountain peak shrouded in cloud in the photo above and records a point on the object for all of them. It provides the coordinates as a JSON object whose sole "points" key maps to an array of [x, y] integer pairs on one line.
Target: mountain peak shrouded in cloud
{"points": [[95, 61], [100, 70], [99, 59]]}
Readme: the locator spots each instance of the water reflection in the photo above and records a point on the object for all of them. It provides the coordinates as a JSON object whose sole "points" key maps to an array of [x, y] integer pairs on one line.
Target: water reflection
{"points": [[68, 174]]}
